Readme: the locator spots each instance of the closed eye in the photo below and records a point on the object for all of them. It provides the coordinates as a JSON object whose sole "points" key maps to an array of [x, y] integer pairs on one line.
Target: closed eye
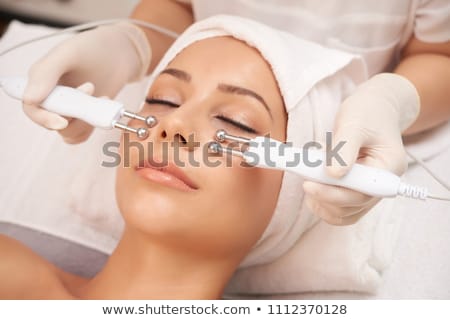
{"points": [[236, 124], [223, 118], [163, 102]]}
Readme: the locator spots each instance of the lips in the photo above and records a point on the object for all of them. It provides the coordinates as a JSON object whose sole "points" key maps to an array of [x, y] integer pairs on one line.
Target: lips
{"points": [[169, 175]]}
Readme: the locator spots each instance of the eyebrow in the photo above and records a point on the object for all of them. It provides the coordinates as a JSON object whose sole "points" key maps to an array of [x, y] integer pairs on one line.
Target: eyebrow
{"points": [[179, 74], [227, 88], [245, 92]]}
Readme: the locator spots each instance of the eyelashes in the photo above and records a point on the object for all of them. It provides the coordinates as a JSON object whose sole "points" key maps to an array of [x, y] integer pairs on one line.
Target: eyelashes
{"points": [[221, 117], [237, 124], [160, 101]]}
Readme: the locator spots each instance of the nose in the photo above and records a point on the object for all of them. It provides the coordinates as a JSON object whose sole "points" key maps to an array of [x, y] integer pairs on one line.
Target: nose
{"points": [[177, 129]]}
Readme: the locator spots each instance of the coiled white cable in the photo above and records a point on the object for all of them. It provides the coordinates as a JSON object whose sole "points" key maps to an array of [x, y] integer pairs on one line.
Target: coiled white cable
{"points": [[412, 191]]}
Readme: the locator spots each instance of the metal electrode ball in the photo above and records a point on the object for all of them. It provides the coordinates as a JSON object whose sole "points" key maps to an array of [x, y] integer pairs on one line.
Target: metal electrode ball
{"points": [[214, 147], [221, 135], [142, 133], [151, 121]]}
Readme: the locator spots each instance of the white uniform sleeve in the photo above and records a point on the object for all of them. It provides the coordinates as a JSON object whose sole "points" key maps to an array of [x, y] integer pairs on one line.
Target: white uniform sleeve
{"points": [[432, 21]]}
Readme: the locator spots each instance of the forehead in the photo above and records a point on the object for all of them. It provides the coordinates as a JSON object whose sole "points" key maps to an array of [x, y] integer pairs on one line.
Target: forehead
{"points": [[223, 59], [218, 47], [228, 60]]}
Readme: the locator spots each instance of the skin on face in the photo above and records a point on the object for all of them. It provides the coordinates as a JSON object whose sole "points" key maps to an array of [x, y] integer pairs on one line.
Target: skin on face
{"points": [[202, 89]]}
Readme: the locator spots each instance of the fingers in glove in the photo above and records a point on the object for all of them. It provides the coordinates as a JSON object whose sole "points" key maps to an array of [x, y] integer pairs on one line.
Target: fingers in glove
{"points": [[339, 196], [78, 131], [347, 141], [45, 74], [42, 78], [44, 118], [338, 216]]}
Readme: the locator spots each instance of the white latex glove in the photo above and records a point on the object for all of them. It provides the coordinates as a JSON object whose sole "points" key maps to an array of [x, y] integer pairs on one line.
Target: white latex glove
{"points": [[108, 57], [77, 130], [370, 121]]}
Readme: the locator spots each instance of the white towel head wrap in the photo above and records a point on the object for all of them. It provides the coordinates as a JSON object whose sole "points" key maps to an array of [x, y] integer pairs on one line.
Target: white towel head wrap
{"points": [[298, 67]]}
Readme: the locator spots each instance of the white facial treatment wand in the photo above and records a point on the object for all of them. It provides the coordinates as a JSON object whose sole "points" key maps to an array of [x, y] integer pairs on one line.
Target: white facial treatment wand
{"points": [[65, 101], [268, 153]]}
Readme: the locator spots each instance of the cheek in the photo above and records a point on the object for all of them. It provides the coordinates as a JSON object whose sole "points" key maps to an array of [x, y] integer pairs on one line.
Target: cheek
{"points": [[131, 198], [258, 190], [248, 197]]}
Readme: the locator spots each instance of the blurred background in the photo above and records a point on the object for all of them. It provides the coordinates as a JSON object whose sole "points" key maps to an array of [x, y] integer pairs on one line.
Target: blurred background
{"points": [[62, 13]]}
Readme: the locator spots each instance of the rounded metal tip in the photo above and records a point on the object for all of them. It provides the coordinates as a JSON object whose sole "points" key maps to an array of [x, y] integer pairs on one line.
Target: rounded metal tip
{"points": [[151, 121], [221, 135], [214, 147], [142, 133]]}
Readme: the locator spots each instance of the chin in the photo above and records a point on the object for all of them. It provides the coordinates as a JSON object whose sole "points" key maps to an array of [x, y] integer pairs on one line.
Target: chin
{"points": [[151, 208]]}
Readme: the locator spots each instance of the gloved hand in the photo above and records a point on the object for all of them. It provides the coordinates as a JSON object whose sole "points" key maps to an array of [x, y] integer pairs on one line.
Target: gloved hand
{"points": [[108, 57], [77, 130], [370, 121]]}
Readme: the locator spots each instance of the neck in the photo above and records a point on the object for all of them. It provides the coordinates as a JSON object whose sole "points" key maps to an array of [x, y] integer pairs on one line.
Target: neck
{"points": [[142, 269]]}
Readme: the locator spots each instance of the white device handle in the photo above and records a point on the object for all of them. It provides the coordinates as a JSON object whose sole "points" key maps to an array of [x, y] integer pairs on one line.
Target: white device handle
{"points": [[311, 165], [69, 102]]}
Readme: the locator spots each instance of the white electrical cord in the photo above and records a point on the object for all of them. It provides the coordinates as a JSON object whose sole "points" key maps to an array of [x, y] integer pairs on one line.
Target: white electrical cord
{"points": [[421, 163], [90, 25]]}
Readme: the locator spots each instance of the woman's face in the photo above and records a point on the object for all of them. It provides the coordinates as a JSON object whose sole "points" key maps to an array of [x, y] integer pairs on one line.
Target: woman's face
{"points": [[217, 83]]}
